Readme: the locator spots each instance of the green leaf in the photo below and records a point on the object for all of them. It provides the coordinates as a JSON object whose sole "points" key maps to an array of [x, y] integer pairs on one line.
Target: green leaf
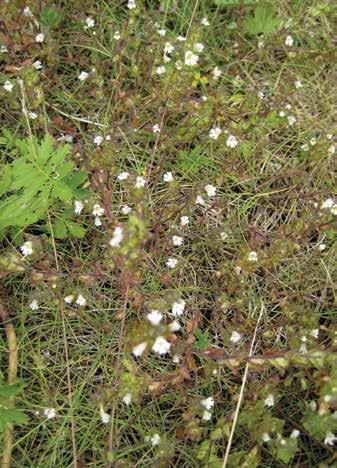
{"points": [[75, 229], [62, 191], [263, 21], [203, 339]]}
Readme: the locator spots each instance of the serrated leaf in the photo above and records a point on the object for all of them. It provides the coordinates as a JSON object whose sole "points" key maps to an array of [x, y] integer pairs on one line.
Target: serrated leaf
{"points": [[62, 191], [75, 229], [263, 21]]}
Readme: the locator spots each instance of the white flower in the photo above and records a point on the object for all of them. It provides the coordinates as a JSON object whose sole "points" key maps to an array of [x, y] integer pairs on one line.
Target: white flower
{"points": [[161, 32], [303, 348], [329, 136], [179, 64], [83, 75], [123, 176], [198, 47], [176, 359], [261, 94], [269, 401], [32, 115], [105, 417], [97, 221], [69, 299], [288, 106], [223, 235], [215, 132], [140, 182], [178, 308], [39, 37], [156, 128], [155, 440], [3, 49], [8, 86], [295, 433], [139, 349], [199, 200], [181, 38], [168, 177], [305, 147], [131, 4], [50, 413], [168, 48], [208, 403], [260, 44], [160, 70], [210, 190], [97, 210], [27, 248], [177, 240], [204, 98], [314, 333], [313, 141], [282, 114], [78, 207], [205, 22], [81, 300], [216, 72], [232, 142], [252, 256], [27, 11], [321, 247], [126, 209], [127, 398], [190, 58], [167, 58], [174, 326], [235, 337], [332, 149], [266, 437], [330, 438], [34, 305], [172, 262], [90, 22], [289, 41], [334, 209], [207, 416], [161, 346], [327, 204], [37, 64], [117, 35], [298, 84], [117, 237], [154, 317], [108, 138], [184, 220], [98, 140]]}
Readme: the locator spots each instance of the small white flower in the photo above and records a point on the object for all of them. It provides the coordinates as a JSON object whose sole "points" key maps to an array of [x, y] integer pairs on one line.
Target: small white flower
{"points": [[34, 305], [27, 248], [50, 413], [327, 204], [215, 132], [123, 176], [266, 437], [174, 326], [289, 41], [329, 136], [156, 128], [27, 11], [8, 86], [282, 114], [216, 72], [37, 64], [191, 59], [81, 300], [313, 141], [98, 140], [199, 200], [332, 149], [298, 84], [39, 37], [178, 308], [97, 210], [177, 241], [261, 95], [78, 207], [232, 142], [90, 22], [288, 106], [126, 209], [127, 398], [333, 210], [131, 4], [3, 49], [305, 147], [260, 45], [330, 438], [252, 256], [160, 70], [154, 317], [83, 75], [295, 433], [314, 333], [176, 359], [117, 35], [155, 440], [181, 38], [291, 120], [206, 416], [208, 403], [184, 220], [269, 401], [117, 237], [313, 405], [168, 48], [179, 64], [235, 337], [161, 346], [303, 348], [168, 177], [205, 22], [139, 349], [32, 115], [140, 182], [210, 190], [97, 221], [198, 47], [224, 235], [108, 138], [69, 299], [204, 98], [172, 262], [105, 417], [161, 32], [167, 58], [321, 247]]}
